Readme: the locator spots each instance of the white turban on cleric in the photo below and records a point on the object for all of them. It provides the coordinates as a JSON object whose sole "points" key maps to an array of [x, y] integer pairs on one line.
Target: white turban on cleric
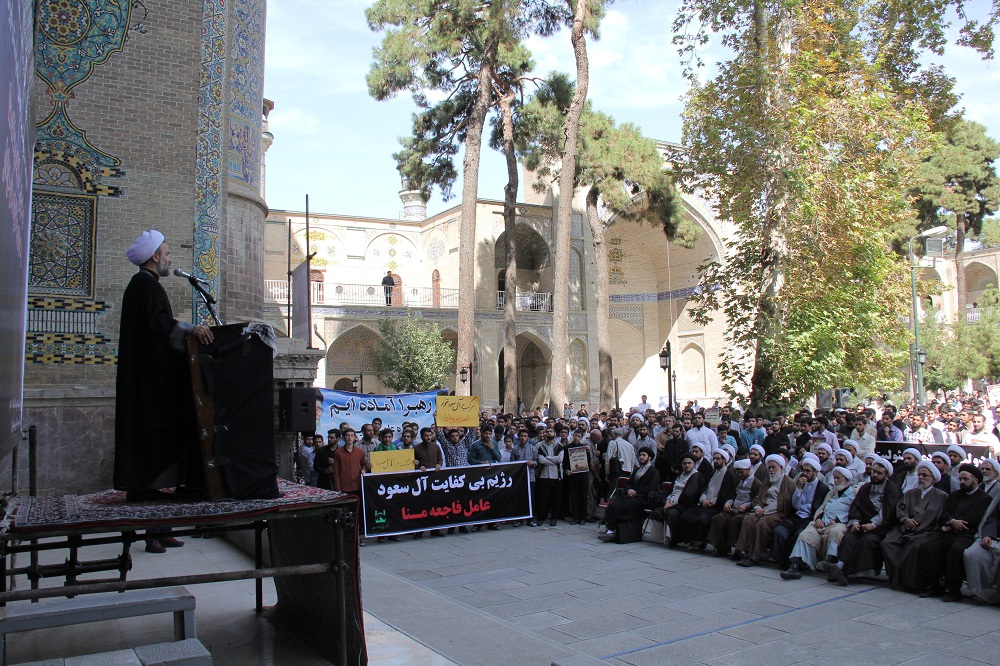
{"points": [[144, 247]]}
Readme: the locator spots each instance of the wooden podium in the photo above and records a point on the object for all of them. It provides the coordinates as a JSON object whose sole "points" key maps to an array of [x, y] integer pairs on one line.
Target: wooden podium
{"points": [[233, 383]]}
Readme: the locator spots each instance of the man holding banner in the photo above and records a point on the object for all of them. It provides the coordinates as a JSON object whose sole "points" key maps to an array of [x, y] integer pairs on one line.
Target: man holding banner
{"points": [[348, 462]]}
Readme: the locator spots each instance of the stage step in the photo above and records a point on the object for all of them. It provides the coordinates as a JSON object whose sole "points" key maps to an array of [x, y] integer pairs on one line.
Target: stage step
{"points": [[47, 614]]}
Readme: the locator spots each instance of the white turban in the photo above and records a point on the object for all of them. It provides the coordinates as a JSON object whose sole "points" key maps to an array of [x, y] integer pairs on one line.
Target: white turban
{"points": [[851, 442], [943, 456], [725, 453], [871, 456], [935, 472], [955, 448], [844, 472], [994, 463], [743, 463], [847, 455], [813, 461], [826, 447], [706, 449], [731, 449], [759, 449], [775, 458], [144, 247], [883, 462], [913, 452]]}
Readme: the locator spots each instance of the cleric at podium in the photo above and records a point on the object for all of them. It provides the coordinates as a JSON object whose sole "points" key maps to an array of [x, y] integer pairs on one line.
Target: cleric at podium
{"points": [[156, 443]]}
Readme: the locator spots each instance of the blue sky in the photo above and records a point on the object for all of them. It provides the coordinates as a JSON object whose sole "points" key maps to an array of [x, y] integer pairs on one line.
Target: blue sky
{"points": [[335, 143]]}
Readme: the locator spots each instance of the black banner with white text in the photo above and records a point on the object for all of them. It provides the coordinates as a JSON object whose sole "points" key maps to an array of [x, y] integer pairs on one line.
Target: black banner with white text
{"points": [[402, 502]]}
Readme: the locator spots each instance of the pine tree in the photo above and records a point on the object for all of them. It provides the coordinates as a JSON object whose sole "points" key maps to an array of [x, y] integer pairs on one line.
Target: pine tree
{"points": [[960, 186]]}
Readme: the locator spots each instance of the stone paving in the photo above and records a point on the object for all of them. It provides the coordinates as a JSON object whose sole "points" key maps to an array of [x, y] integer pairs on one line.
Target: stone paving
{"points": [[559, 595]]}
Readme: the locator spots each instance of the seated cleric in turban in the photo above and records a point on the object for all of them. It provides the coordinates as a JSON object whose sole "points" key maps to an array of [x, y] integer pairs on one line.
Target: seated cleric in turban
{"points": [[155, 438]]}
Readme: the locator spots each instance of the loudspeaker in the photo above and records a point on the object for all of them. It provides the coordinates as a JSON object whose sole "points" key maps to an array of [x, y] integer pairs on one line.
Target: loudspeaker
{"points": [[237, 422], [297, 409]]}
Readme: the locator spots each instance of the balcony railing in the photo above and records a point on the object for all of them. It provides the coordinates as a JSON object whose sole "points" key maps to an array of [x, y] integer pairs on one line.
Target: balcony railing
{"points": [[974, 315], [326, 293], [535, 301]]}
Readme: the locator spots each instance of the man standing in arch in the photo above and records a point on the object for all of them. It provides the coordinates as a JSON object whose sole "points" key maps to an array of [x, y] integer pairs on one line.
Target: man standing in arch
{"points": [[156, 444], [387, 284]]}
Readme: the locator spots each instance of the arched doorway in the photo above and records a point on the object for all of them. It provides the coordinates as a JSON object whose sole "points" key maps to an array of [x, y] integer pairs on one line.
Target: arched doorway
{"points": [[533, 281], [501, 289], [978, 278], [344, 384], [533, 369], [316, 278], [397, 291], [352, 355]]}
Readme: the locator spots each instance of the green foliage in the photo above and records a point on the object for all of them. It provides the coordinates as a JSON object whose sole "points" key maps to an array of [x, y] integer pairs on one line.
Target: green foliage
{"points": [[989, 235], [412, 355], [624, 167], [958, 181], [809, 152], [963, 350], [442, 45]]}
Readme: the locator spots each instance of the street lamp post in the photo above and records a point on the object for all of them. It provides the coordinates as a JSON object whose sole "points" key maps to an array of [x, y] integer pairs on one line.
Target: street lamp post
{"points": [[674, 394], [358, 383], [920, 353], [666, 364]]}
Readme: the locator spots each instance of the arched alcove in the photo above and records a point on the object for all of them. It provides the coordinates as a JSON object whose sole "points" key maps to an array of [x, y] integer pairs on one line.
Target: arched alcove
{"points": [[692, 373]]}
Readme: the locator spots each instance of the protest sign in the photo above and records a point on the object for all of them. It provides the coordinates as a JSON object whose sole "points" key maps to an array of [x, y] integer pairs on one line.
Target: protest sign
{"points": [[458, 410], [713, 416], [993, 394], [391, 461], [578, 459], [360, 408], [401, 502]]}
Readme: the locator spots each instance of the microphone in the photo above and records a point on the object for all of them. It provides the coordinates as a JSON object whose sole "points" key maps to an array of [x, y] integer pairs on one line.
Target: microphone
{"points": [[192, 278]]}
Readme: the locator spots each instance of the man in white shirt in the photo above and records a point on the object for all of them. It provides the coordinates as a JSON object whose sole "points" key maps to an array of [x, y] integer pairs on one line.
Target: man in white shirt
{"points": [[702, 434], [980, 436], [866, 442], [643, 406]]}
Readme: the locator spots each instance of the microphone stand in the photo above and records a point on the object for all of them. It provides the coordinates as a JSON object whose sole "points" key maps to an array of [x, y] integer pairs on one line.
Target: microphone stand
{"points": [[207, 299]]}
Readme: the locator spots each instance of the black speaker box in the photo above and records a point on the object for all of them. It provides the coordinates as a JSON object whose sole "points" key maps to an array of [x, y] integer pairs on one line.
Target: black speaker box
{"points": [[297, 409], [238, 373]]}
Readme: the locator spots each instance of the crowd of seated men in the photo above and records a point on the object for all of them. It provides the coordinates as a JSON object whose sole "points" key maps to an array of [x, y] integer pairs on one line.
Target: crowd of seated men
{"points": [[812, 495], [808, 493]]}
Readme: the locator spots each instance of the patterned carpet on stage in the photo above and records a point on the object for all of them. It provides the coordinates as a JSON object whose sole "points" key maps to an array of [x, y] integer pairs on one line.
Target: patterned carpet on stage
{"points": [[109, 508]]}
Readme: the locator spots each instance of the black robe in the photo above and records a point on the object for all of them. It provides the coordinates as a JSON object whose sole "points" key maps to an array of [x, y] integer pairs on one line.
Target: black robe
{"points": [[862, 551], [154, 410]]}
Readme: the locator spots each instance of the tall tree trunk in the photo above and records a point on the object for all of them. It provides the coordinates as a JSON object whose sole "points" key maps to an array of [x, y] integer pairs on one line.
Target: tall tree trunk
{"points": [[601, 280], [510, 392], [567, 179], [773, 53], [960, 288], [467, 232]]}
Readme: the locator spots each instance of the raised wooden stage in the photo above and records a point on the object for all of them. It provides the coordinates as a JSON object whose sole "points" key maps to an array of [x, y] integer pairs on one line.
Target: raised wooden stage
{"points": [[313, 549]]}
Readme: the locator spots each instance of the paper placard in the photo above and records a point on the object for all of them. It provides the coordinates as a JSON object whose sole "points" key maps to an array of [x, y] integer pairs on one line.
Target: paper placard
{"points": [[391, 461], [457, 410], [578, 459], [713, 416]]}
